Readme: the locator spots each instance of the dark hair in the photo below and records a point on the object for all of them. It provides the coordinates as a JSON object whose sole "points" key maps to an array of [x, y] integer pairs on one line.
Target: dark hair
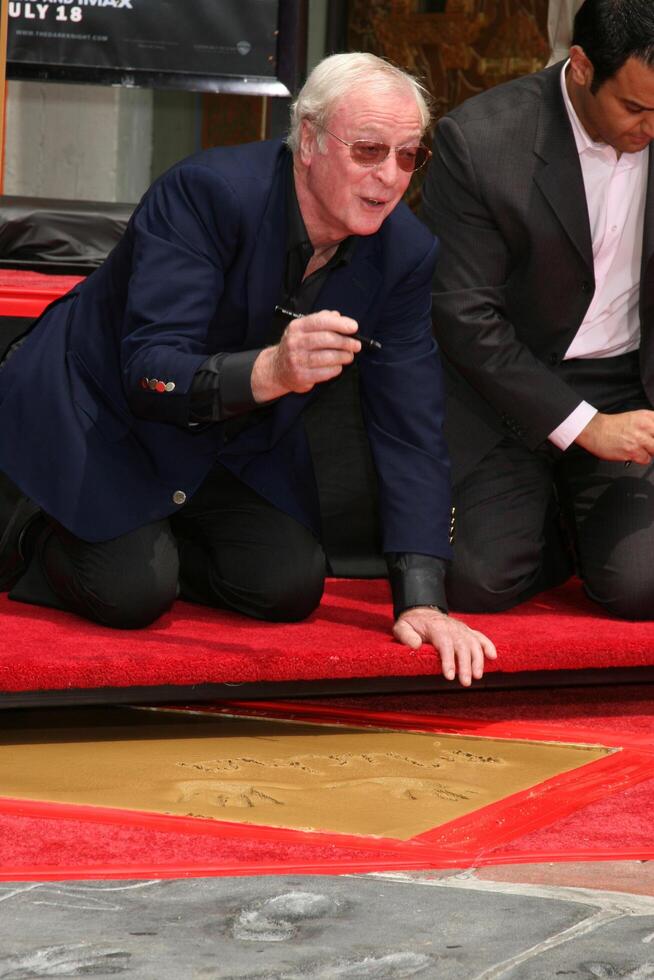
{"points": [[611, 32]]}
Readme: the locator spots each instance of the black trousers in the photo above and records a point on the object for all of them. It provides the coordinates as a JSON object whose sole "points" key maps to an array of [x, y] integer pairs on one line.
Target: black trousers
{"points": [[526, 520], [227, 548]]}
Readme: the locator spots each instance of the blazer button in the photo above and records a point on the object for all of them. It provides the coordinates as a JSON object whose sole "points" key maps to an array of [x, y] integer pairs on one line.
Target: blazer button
{"points": [[179, 497], [554, 359], [586, 286]]}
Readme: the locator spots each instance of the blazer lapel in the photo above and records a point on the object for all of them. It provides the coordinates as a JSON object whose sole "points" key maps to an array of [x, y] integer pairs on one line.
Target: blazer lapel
{"points": [[352, 288], [266, 270], [560, 178], [647, 288], [648, 233]]}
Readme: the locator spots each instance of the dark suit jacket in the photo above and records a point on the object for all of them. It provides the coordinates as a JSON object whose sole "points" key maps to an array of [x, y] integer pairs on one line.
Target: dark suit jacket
{"points": [[199, 270], [505, 195]]}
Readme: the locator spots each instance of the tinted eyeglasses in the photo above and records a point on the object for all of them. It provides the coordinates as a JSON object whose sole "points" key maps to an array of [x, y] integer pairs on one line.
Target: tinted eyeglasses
{"points": [[370, 153]]}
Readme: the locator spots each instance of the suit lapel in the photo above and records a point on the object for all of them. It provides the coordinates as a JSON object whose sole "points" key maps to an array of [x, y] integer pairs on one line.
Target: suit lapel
{"points": [[648, 232], [351, 288], [266, 270], [646, 288], [560, 178]]}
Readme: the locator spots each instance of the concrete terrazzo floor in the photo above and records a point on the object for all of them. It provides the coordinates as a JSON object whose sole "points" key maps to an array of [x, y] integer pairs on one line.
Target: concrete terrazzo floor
{"points": [[523, 922]]}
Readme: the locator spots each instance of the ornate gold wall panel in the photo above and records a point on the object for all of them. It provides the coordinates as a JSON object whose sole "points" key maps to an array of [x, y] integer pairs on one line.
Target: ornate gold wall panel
{"points": [[459, 47]]}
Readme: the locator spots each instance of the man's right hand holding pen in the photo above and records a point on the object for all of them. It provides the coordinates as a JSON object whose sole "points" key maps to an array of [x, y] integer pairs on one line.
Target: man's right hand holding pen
{"points": [[313, 348]]}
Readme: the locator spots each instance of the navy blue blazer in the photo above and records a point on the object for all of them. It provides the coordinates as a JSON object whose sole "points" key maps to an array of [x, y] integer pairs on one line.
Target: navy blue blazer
{"points": [[199, 270]]}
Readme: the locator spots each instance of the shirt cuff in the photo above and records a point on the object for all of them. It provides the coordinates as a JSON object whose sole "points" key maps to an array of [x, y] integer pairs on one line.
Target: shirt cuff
{"points": [[416, 580], [566, 433], [235, 382], [222, 387]]}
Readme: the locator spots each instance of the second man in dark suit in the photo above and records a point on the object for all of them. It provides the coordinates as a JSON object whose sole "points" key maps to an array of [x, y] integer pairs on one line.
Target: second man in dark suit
{"points": [[542, 193]]}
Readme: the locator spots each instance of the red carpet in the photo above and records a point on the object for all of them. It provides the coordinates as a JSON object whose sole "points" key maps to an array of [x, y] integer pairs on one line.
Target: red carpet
{"points": [[348, 637]]}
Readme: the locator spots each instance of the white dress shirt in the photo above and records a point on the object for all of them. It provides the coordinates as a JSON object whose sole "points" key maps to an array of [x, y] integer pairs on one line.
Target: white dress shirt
{"points": [[615, 195]]}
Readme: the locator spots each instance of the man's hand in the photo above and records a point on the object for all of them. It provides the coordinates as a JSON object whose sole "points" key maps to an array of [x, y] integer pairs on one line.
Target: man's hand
{"points": [[313, 348], [458, 645], [625, 436]]}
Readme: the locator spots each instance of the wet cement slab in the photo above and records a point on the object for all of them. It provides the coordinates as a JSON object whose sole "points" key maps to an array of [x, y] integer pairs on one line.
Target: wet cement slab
{"points": [[323, 928], [271, 772]]}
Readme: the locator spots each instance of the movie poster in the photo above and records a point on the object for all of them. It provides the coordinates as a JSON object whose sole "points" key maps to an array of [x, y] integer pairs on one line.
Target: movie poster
{"points": [[199, 37]]}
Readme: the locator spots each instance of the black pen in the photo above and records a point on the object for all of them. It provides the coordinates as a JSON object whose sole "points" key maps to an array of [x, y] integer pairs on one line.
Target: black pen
{"points": [[364, 341]]}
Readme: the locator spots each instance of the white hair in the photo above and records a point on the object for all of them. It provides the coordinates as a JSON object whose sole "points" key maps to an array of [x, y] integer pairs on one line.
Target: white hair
{"points": [[339, 75]]}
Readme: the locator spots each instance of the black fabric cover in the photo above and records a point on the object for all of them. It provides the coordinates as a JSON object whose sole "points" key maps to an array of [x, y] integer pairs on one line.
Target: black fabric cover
{"points": [[65, 237]]}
